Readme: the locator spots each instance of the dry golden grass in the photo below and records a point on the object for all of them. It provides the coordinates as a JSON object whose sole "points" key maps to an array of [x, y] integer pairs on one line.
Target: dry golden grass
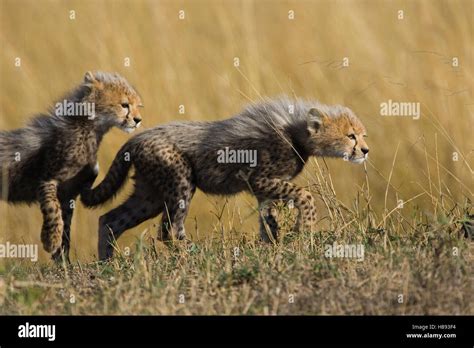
{"points": [[191, 62], [409, 267]]}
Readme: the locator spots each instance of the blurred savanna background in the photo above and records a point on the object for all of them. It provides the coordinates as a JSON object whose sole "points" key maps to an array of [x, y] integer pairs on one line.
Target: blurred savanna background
{"points": [[356, 53]]}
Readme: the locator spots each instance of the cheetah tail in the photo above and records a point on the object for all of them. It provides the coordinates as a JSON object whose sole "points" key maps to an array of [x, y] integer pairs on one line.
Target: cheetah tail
{"points": [[112, 183]]}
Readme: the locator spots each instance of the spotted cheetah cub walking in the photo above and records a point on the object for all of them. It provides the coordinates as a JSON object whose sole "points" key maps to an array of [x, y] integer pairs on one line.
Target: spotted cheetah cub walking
{"points": [[52, 159], [259, 150]]}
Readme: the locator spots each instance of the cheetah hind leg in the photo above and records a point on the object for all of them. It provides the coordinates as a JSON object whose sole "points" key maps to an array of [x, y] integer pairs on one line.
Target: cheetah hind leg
{"points": [[306, 214], [178, 190], [175, 212], [139, 207]]}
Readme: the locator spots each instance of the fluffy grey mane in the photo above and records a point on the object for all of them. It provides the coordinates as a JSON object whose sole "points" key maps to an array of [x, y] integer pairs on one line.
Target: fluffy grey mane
{"points": [[277, 119], [283, 111]]}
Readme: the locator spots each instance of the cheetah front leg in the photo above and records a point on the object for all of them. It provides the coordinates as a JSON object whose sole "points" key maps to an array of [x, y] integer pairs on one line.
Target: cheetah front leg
{"points": [[67, 212], [67, 193], [268, 221], [52, 230], [274, 189]]}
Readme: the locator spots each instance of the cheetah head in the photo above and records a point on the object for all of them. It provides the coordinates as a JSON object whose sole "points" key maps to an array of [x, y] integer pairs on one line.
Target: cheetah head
{"points": [[116, 101], [339, 134]]}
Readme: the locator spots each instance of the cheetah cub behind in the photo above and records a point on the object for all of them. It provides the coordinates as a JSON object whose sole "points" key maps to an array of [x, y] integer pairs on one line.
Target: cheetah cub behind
{"points": [[259, 150], [52, 159]]}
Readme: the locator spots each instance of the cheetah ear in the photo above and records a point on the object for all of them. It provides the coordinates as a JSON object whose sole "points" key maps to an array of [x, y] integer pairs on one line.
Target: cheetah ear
{"points": [[89, 78], [92, 82], [315, 119]]}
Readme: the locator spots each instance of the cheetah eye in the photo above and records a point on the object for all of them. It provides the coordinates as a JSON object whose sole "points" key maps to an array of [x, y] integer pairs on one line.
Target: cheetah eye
{"points": [[125, 105], [351, 136]]}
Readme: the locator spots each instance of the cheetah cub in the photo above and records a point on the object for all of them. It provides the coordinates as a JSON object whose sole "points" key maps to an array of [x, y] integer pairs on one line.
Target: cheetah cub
{"points": [[52, 159], [259, 150]]}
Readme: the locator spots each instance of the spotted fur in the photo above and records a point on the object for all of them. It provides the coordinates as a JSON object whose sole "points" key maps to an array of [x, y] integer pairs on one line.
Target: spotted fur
{"points": [[171, 161], [52, 159]]}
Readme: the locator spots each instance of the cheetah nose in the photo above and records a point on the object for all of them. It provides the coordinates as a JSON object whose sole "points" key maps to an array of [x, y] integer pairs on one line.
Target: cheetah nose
{"points": [[365, 150], [137, 120]]}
